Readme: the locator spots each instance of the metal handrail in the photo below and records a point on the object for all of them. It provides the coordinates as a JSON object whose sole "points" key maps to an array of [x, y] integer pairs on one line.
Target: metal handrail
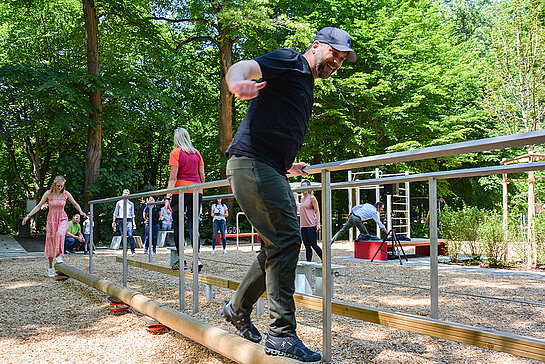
{"points": [[507, 141], [474, 146], [447, 150]]}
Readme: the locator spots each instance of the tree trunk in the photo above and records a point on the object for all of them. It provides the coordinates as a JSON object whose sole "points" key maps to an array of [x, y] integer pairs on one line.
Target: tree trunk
{"points": [[93, 154], [225, 106]]}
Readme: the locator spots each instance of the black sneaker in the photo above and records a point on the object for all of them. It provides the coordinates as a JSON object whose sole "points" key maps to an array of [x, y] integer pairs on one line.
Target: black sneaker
{"points": [[291, 347], [243, 324]]}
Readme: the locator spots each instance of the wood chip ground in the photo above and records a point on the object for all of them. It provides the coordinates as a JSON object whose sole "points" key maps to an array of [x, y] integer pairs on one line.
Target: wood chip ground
{"points": [[46, 321]]}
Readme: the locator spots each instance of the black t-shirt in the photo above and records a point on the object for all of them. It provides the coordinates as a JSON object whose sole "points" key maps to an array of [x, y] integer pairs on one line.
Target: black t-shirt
{"points": [[276, 121]]}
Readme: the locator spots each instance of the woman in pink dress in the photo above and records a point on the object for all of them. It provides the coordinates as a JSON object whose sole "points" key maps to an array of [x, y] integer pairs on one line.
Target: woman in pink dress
{"points": [[57, 221]]}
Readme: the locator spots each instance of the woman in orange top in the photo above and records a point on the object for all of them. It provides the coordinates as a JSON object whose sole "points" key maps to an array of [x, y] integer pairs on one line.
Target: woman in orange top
{"points": [[186, 168]]}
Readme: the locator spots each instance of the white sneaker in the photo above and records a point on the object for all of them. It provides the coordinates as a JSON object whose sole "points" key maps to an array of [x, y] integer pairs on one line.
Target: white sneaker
{"points": [[51, 272], [224, 251], [59, 259], [213, 251]]}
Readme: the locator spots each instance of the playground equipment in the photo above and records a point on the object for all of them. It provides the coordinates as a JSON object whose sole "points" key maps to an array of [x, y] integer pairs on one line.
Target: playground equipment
{"points": [[398, 201], [526, 347]]}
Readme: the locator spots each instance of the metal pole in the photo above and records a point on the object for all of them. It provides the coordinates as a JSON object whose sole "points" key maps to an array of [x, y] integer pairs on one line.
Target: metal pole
{"points": [[408, 196], [388, 212], [434, 269], [252, 238], [91, 244], [377, 198], [195, 238], [327, 283], [237, 228], [181, 247], [125, 265], [150, 224], [350, 205]]}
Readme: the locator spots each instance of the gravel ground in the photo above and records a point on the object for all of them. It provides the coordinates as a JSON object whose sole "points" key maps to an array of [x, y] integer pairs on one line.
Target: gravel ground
{"points": [[46, 321]]}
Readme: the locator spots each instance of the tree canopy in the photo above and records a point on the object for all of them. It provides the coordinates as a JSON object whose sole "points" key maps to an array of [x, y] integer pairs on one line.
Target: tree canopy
{"points": [[421, 79]]}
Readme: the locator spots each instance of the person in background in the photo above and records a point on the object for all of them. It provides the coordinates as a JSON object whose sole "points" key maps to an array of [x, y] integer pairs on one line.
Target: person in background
{"points": [[155, 212], [57, 221], [74, 237], [87, 233], [219, 212], [166, 221], [361, 213], [131, 221], [310, 222], [186, 168]]}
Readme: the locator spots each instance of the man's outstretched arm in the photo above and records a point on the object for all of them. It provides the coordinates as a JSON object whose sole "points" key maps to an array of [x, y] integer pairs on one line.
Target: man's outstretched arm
{"points": [[240, 79]]}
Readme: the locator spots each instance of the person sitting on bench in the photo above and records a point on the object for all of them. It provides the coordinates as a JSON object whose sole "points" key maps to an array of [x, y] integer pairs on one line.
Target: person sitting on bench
{"points": [[361, 213]]}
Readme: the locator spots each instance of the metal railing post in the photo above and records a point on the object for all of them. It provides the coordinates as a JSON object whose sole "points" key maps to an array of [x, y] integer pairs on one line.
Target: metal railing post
{"points": [[351, 193], [150, 228], [327, 286], [91, 240], [181, 250], [125, 265], [434, 264], [195, 239]]}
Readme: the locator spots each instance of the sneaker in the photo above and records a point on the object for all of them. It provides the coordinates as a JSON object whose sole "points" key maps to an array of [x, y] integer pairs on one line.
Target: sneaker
{"points": [[224, 251], [154, 252], [59, 259], [145, 251], [51, 272], [213, 251], [243, 324], [176, 265], [291, 347], [86, 252]]}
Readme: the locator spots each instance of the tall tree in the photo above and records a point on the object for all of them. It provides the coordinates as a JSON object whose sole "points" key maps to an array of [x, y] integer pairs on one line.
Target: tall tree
{"points": [[515, 94], [93, 154]]}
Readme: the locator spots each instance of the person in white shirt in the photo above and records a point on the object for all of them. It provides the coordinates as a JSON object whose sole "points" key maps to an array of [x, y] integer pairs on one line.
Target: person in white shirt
{"points": [[361, 213], [87, 232], [118, 219], [219, 212]]}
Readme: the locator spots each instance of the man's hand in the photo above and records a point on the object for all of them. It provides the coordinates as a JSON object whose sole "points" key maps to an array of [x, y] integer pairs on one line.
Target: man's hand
{"points": [[246, 89], [297, 169]]}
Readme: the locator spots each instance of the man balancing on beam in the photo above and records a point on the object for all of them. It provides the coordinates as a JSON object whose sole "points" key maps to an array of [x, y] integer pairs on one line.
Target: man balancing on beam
{"points": [[261, 154]]}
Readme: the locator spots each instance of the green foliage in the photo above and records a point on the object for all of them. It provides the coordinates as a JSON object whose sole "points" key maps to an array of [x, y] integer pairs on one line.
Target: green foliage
{"points": [[540, 237], [493, 244], [417, 83], [460, 229]]}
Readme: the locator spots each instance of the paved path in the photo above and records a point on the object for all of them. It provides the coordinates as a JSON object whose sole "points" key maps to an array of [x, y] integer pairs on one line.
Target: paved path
{"points": [[10, 248], [424, 262]]}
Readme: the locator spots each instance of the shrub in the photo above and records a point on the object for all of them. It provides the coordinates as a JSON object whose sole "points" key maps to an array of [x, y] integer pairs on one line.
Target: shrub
{"points": [[459, 227], [540, 237], [490, 234]]}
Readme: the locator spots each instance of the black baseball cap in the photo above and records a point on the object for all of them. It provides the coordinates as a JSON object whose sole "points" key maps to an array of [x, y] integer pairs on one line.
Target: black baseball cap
{"points": [[338, 39]]}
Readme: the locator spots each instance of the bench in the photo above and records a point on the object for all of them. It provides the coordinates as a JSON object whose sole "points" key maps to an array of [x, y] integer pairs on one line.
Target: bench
{"points": [[303, 277], [240, 235], [117, 242]]}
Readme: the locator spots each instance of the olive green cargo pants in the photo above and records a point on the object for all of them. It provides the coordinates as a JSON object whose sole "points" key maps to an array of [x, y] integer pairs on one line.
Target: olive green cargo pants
{"points": [[266, 198]]}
